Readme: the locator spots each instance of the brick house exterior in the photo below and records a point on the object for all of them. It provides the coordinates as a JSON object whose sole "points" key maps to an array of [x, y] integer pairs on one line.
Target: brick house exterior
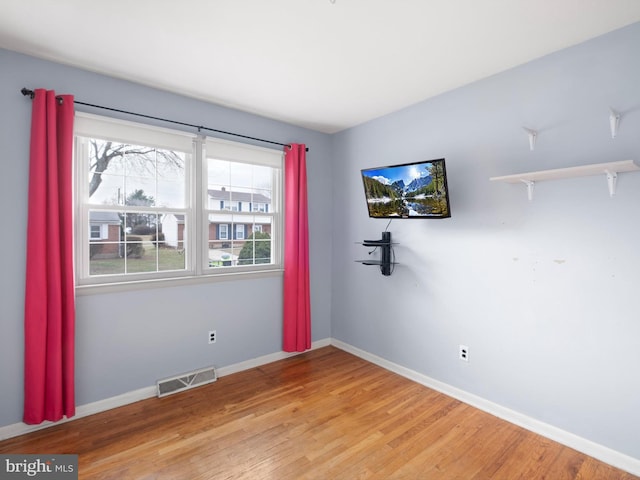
{"points": [[104, 234], [222, 232]]}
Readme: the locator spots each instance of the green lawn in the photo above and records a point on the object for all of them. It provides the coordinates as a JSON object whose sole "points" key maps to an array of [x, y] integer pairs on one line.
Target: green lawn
{"points": [[153, 260]]}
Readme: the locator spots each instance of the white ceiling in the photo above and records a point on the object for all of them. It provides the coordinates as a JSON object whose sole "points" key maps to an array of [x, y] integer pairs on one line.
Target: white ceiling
{"points": [[315, 63]]}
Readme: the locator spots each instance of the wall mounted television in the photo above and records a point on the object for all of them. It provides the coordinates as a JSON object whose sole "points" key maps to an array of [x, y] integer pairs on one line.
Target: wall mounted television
{"points": [[409, 190]]}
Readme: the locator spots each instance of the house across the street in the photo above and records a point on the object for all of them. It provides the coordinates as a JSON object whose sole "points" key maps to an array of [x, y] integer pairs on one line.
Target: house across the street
{"points": [[104, 234]]}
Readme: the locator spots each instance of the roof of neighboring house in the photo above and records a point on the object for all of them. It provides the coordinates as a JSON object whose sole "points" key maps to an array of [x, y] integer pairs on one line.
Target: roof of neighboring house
{"points": [[238, 196], [104, 217]]}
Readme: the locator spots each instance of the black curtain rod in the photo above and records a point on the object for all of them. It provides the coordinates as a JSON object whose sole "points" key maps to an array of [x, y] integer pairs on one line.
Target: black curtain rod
{"points": [[30, 93]]}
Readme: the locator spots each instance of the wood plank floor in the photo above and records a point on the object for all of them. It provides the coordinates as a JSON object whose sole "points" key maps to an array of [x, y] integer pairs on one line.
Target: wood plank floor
{"points": [[322, 415]]}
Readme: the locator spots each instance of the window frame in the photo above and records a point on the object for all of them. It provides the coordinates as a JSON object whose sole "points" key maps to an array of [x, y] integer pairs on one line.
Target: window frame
{"points": [[195, 211], [226, 150]]}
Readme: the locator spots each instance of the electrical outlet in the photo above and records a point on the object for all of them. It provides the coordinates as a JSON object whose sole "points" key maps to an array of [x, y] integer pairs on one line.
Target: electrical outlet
{"points": [[463, 353], [212, 336]]}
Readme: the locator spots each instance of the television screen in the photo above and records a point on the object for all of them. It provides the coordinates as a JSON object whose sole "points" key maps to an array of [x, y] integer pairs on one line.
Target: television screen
{"points": [[410, 190]]}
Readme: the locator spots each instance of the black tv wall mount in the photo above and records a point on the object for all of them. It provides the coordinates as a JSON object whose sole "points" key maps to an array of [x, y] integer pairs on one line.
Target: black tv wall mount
{"points": [[384, 262]]}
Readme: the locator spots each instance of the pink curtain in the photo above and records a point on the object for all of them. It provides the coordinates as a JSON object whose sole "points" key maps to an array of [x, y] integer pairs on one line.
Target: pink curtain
{"points": [[297, 309], [49, 297]]}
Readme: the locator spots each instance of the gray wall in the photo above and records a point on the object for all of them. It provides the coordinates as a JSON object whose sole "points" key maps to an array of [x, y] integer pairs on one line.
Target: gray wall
{"points": [[126, 341], [544, 293]]}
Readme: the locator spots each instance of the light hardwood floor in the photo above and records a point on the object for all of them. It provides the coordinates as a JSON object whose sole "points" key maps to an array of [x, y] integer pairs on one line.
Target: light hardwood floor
{"points": [[322, 415]]}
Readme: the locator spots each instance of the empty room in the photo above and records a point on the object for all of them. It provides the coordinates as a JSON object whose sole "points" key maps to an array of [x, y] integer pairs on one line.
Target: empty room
{"points": [[320, 239]]}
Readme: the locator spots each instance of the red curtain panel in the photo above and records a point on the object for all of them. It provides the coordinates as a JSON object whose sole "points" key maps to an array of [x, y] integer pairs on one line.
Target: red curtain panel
{"points": [[297, 309], [49, 295]]}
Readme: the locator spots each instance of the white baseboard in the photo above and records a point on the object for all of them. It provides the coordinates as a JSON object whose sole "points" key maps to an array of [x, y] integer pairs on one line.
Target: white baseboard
{"points": [[81, 411], [272, 357], [20, 428], [595, 450]]}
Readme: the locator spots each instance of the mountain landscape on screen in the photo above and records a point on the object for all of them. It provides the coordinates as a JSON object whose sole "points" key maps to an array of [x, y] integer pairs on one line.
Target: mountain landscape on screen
{"points": [[412, 190]]}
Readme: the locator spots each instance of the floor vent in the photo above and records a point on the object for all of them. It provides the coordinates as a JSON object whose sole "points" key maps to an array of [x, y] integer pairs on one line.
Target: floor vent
{"points": [[186, 381]]}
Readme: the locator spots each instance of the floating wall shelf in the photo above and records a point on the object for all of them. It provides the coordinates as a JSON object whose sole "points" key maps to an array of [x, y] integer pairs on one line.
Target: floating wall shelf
{"points": [[384, 244], [610, 169]]}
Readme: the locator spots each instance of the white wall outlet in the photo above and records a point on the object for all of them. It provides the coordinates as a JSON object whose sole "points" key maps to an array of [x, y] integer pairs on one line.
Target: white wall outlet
{"points": [[212, 336], [463, 353]]}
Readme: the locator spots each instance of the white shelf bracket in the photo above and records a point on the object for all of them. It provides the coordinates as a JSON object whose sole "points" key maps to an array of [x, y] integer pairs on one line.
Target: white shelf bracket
{"points": [[530, 186], [533, 135], [614, 122], [612, 178]]}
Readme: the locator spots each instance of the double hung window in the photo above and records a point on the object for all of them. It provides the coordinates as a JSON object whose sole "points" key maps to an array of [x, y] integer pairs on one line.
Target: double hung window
{"points": [[153, 203]]}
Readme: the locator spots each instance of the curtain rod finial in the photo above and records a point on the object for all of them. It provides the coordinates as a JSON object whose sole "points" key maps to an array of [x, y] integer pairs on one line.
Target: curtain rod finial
{"points": [[25, 91]]}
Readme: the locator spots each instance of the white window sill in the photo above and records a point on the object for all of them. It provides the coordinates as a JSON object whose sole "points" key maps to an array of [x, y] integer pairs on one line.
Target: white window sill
{"points": [[82, 290]]}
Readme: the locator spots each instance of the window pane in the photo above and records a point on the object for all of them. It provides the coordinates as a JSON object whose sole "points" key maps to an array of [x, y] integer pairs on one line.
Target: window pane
{"points": [[172, 230], [241, 176], [261, 224], [140, 161], [261, 201], [263, 179], [139, 192], [223, 248], [256, 250], [105, 249], [109, 189], [223, 229], [170, 242], [240, 239], [118, 171], [105, 259], [171, 179], [171, 192], [141, 223], [141, 256], [171, 258], [218, 173], [149, 243]]}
